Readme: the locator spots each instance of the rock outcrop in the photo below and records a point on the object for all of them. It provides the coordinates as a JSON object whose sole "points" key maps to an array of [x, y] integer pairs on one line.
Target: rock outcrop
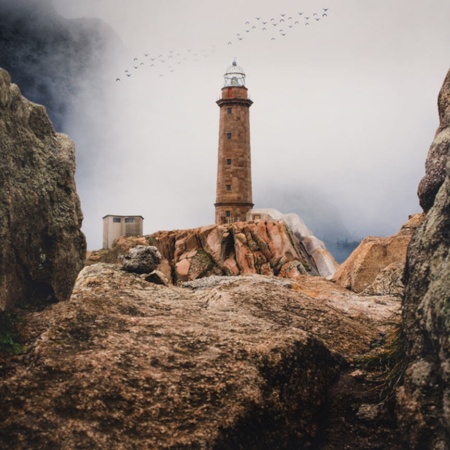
{"points": [[42, 247], [438, 154], [264, 247], [424, 399], [376, 262], [225, 362], [315, 249]]}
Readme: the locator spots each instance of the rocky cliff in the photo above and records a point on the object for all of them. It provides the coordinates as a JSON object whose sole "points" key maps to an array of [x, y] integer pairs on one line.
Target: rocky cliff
{"points": [[376, 265], [438, 154], [265, 247], [424, 400], [220, 363], [42, 247]]}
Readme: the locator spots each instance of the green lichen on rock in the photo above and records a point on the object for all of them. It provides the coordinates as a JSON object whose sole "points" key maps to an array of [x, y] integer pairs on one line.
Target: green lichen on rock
{"points": [[43, 248]]}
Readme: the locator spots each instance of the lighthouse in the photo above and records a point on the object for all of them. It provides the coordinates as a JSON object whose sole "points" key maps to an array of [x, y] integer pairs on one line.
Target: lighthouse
{"points": [[234, 177]]}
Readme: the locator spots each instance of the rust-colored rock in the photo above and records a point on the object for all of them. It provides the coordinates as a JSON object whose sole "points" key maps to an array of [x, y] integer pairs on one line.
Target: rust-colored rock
{"points": [[373, 255], [263, 247], [227, 362]]}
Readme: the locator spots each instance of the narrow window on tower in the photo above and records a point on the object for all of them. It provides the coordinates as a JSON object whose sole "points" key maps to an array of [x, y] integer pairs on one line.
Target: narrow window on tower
{"points": [[228, 213], [228, 162], [228, 187], [229, 110], [228, 135]]}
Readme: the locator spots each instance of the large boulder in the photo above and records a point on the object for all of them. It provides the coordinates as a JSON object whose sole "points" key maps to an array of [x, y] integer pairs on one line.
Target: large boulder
{"points": [[373, 256], [141, 259], [438, 154], [42, 247], [424, 399], [223, 363]]}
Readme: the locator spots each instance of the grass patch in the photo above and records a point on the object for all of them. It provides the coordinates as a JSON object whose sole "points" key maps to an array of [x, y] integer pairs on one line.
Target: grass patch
{"points": [[387, 361], [9, 336]]}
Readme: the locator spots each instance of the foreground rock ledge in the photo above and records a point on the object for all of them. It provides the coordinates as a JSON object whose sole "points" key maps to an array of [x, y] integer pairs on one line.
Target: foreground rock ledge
{"points": [[227, 362]]}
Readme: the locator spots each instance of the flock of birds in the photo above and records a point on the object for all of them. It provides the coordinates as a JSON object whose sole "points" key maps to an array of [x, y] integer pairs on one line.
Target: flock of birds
{"points": [[274, 28]]}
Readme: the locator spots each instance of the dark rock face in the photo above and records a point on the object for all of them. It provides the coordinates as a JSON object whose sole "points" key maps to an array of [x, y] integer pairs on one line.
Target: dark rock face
{"points": [[141, 259], [42, 247], [424, 400], [438, 154]]}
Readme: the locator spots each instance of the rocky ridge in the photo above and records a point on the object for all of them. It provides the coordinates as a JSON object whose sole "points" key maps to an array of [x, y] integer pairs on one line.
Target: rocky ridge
{"points": [[264, 247], [376, 265], [40, 216]]}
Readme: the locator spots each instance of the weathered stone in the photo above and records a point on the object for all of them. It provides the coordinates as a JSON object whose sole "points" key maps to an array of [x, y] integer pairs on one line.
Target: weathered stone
{"points": [[373, 255], [141, 259], [424, 399], [324, 261], [263, 247], [388, 281], [157, 277], [231, 362], [438, 154], [42, 247], [314, 250]]}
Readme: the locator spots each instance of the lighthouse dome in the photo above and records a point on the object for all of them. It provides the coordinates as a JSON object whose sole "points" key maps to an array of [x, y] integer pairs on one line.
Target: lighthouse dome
{"points": [[234, 76]]}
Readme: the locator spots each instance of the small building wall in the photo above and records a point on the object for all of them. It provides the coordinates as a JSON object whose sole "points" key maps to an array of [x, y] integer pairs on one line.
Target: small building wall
{"points": [[115, 226]]}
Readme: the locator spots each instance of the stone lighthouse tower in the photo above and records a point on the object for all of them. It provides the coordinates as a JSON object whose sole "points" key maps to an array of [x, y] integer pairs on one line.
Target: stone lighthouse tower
{"points": [[234, 178]]}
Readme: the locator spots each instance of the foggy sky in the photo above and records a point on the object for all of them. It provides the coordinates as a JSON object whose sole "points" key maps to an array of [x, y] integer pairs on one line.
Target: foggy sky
{"points": [[344, 110]]}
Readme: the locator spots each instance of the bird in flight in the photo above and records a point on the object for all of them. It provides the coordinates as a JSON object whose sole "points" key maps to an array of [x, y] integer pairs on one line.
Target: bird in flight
{"points": [[117, 79]]}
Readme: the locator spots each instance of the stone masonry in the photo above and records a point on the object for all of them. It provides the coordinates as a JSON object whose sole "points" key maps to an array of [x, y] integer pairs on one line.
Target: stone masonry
{"points": [[234, 182]]}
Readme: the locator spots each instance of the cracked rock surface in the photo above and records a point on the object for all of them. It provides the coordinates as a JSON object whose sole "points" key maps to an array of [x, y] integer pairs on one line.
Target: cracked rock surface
{"points": [[238, 362]]}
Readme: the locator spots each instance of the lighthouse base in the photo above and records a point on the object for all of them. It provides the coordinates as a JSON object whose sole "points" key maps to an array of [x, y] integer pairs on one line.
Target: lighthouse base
{"points": [[232, 212]]}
